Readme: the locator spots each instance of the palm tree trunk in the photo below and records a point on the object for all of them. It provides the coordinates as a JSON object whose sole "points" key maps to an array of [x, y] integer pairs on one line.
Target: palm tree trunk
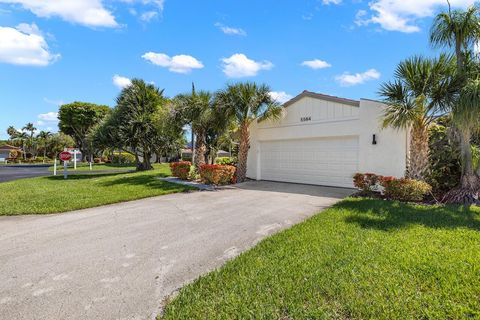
{"points": [[243, 152], [200, 150], [469, 179], [418, 162]]}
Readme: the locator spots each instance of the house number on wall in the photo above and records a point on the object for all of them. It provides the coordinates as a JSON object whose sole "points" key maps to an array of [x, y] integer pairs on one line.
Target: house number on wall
{"points": [[304, 119]]}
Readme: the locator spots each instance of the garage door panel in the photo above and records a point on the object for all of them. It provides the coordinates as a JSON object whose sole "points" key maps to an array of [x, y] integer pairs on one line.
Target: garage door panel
{"points": [[323, 161]]}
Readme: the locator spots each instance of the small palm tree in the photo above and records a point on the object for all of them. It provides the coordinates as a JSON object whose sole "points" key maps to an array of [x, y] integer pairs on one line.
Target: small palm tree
{"points": [[460, 30], [422, 90], [43, 136], [198, 109], [30, 128], [245, 103]]}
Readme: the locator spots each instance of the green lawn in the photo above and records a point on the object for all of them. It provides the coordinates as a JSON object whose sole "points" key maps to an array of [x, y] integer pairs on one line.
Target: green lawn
{"points": [[361, 259], [53, 194], [97, 167]]}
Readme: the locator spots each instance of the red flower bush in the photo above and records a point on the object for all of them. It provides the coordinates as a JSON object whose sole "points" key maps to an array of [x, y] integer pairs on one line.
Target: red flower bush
{"points": [[180, 169], [366, 182], [217, 174]]}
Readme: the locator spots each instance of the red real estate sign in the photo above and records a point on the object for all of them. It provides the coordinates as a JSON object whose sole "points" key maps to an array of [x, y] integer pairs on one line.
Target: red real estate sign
{"points": [[65, 156]]}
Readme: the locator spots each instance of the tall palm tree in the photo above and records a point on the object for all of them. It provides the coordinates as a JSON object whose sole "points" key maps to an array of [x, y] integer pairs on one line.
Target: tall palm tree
{"points": [[43, 136], [245, 103], [22, 137], [460, 30], [199, 111], [422, 90], [30, 128]]}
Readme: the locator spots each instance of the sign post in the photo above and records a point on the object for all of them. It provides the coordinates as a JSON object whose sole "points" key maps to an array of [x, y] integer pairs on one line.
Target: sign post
{"points": [[75, 159], [65, 156]]}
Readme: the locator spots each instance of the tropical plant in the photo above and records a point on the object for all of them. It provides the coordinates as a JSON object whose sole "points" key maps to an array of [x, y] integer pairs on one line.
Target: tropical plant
{"points": [[198, 110], [245, 103], [423, 88], [460, 30], [78, 119], [135, 124], [43, 137], [57, 142]]}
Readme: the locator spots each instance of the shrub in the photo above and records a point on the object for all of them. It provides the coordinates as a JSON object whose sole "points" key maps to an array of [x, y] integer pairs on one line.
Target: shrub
{"points": [[445, 163], [226, 161], [217, 174], [122, 158], [405, 189], [181, 169], [367, 182]]}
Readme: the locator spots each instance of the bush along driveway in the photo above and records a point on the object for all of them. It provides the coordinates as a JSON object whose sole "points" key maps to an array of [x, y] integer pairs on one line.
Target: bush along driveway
{"points": [[361, 259], [54, 194]]}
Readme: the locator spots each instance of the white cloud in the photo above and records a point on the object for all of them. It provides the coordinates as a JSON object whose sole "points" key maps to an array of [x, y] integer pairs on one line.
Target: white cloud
{"points": [[121, 82], [316, 64], [25, 45], [280, 96], [85, 12], [348, 79], [49, 116], [403, 15], [179, 64], [239, 66], [148, 16], [230, 30]]}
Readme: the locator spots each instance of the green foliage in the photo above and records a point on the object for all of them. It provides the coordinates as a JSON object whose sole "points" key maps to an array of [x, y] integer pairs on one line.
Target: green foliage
{"points": [[123, 158], [141, 123], [423, 87], [244, 103], [57, 142], [361, 259], [445, 163], [54, 194], [229, 161], [77, 119]]}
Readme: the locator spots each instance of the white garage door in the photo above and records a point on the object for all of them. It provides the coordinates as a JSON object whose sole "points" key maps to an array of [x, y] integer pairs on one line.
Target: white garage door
{"points": [[323, 161]]}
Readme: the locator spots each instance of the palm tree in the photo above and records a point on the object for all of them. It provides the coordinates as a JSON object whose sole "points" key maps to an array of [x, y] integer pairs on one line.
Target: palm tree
{"points": [[22, 137], [460, 30], [422, 90], [43, 136], [198, 109], [245, 103], [30, 128]]}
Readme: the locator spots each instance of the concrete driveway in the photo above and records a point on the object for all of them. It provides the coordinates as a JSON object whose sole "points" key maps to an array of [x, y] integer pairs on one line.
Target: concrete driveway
{"points": [[121, 261]]}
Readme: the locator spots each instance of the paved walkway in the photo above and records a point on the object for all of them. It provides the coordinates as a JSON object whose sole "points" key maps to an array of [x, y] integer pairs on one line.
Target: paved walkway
{"points": [[121, 261]]}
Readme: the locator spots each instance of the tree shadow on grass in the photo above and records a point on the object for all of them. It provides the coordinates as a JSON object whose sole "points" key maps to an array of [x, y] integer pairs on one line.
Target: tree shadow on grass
{"points": [[86, 176], [146, 180], [391, 215]]}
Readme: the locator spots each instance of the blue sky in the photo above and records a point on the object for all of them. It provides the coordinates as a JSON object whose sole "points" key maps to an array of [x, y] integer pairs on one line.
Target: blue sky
{"points": [[59, 51]]}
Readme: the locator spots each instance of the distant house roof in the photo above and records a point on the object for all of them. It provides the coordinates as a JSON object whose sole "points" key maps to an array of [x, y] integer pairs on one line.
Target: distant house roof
{"points": [[320, 96], [7, 147]]}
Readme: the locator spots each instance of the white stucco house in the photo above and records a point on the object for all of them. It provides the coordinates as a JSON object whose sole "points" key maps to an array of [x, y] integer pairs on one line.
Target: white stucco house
{"points": [[325, 140]]}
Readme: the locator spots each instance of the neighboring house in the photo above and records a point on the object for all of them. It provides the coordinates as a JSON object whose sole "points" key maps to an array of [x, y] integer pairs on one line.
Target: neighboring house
{"points": [[325, 140], [5, 151], [187, 154]]}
